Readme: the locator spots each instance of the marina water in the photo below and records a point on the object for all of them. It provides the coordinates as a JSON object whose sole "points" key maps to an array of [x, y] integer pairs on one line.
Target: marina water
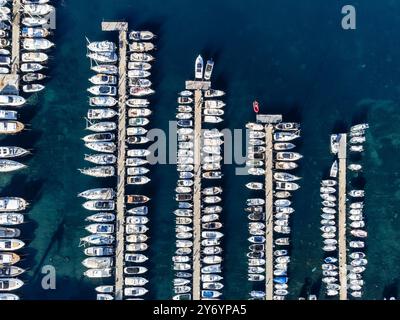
{"points": [[293, 57]]}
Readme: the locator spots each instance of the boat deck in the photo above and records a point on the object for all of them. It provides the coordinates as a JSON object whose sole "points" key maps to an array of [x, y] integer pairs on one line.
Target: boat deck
{"points": [[342, 155], [269, 219], [15, 41], [198, 102], [120, 216]]}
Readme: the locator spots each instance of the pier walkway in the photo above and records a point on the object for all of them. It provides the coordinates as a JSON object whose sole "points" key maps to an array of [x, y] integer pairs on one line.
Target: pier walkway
{"points": [[122, 27], [342, 155], [198, 103], [269, 218], [15, 41]]}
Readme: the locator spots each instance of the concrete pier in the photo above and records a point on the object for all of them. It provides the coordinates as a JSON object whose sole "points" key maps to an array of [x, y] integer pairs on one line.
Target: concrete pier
{"points": [[342, 155], [122, 28], [198, 103], [269, 215], [15, 41]]}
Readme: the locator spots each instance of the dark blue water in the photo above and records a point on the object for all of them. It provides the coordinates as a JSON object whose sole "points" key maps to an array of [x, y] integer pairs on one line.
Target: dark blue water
{"points": [[293, 57]]}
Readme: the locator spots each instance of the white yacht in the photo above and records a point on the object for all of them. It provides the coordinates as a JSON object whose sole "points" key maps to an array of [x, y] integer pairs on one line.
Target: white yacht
{"points": [[8, 115], [11, 100], [10, 165], [35, 44], [208, 70], [9, 204], [99, 172], [101, 46], [98, 194], [199, 67], [34, 9], [12, 152], [104, 57]]}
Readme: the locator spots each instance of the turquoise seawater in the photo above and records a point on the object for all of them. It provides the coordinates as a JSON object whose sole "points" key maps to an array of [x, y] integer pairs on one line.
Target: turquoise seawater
{"points": [[293, 56]]}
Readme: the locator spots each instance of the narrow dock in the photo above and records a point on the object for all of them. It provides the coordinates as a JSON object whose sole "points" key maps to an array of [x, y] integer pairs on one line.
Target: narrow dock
{"points": [[198, 103], [342, 155], [269, 218], [122, 27], [15, 45]]}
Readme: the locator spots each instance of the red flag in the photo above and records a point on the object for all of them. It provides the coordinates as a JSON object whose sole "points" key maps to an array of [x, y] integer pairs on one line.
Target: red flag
{"points": [[256, 107]]}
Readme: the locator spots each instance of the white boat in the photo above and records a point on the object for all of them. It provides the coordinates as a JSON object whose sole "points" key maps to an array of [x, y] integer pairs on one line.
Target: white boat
{"points": [[98, 194], [100, 228], [357, 193], [10, 127], [285, 177], [101, 217], [10, 284], [99, 251], [103, 57], [213, 112], [96, 239], [9, 204], [98, 262], [101, 46], [211, 93], [12, 152], [101, 158], [208, 70], [288, 126], [35, 87], [212, 119], [11, 100], [135, 291], [8, 115], [354, 167], [137, 180], [101, 79], [9, 258], [34, 21], [31, 67], [139, 112], [141, 35], [99, 137], [286, 136], [287, 186], [138, 153], [98, 273], [285, 165], [135, 257], [8, 296], [103, 90], [288, 156], [334, 169], [107, 147], [10, 165], [135, 281], [199, 67], [139, 65], [355, 140], [141, 57], [11, 219], [138, 74], [99, 205], [97, 114], [29, 32], [35, 44], [9, 232], [105, 68], [11, 244], [99, 171], [141, 46], [34, 9]]}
